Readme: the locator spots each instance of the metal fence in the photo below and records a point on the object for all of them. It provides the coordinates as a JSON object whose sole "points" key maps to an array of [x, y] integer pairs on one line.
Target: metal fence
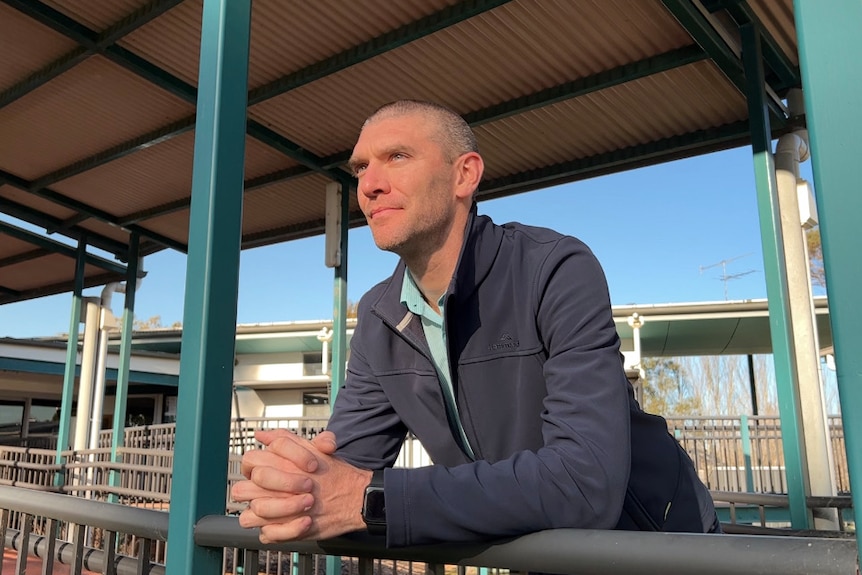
{"points": [[732, 455], [745, 453], [48, 529]]}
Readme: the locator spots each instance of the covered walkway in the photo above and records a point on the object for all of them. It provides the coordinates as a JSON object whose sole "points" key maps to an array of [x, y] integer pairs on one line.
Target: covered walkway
{"points": [[206, 126]]}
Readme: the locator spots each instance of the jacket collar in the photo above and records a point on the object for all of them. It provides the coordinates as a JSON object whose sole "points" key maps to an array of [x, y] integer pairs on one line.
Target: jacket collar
{"points": [[481, 244]]}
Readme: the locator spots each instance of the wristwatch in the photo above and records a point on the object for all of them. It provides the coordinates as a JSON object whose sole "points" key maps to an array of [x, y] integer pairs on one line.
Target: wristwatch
{"points": [[374, 505]]}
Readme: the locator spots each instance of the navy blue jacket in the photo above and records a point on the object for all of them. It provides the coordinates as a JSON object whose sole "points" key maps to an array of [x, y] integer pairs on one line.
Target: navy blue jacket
{"points": [[559, 439]]}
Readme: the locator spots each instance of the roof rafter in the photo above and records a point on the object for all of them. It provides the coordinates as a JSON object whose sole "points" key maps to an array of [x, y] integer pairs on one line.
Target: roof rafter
{"points": [[446, 17], [24, 257], [562, 92], [59, 248], [42, 220], [786, 73], [668, 149], [81, 207], [103, 43], [730, 64], [673, 148], [62, 287]]}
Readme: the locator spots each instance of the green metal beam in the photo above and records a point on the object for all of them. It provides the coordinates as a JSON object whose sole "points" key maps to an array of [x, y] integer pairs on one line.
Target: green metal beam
{"points": [[697, 25], [60, 248], [249, 185], [41, 77], [9, 291], [121, 393], [60, 287], [786, 73], [583, 86], [70, 368], [775, 269], [41, 220], [828, 37], [668, 149], [406, 34], [212, 283], [155, 137], [27, 256], [67, 61]]}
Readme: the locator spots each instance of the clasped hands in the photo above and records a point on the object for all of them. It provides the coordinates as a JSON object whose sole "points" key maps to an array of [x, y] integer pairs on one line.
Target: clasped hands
{"points": [[297, 490]]}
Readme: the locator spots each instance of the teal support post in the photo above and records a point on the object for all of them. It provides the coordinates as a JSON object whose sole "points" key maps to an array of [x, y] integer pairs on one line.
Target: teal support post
{"points": [[339, 329], [339, 319], [68, 398], [212, 282], [829, 42], [122, 392], [776, 279], [745, 438]]}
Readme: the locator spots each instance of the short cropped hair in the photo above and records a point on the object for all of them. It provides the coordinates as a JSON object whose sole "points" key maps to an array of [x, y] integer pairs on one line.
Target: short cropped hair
{"points": [[454, 134]]}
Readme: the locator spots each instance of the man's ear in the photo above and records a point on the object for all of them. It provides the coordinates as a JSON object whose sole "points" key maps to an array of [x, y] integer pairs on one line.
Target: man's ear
{"points": [[470, 168]]}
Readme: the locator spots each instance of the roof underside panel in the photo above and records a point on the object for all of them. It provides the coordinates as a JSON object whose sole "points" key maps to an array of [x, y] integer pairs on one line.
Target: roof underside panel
{"points": [[508, 59], [777, 18], [97, 16], [34, 202], [92, 107], [46, 270], [97, 99], [26, 46]]}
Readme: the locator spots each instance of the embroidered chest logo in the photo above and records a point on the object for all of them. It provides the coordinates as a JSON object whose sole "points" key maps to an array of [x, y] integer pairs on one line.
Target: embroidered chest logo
{"points": [[506, 341]]}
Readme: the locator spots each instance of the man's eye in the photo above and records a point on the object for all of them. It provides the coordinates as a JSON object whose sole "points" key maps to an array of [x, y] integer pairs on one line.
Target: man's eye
{"points": [[359, 169], [398, 156]]}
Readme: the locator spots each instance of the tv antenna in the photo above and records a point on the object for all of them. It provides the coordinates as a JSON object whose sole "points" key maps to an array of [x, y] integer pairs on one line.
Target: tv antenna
{"points": [[725, 277]]}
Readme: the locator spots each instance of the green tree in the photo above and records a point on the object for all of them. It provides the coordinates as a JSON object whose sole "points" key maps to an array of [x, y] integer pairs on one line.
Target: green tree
{"points": [[665, 388], [815, 257]]}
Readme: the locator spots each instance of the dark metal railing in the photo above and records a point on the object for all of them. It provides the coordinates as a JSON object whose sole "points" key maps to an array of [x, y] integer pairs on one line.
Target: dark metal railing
{"points": [[558, 551]]}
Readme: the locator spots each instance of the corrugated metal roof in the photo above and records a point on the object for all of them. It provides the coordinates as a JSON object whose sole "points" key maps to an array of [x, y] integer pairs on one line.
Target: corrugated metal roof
{"points": [[97, 99], [26, 45]]}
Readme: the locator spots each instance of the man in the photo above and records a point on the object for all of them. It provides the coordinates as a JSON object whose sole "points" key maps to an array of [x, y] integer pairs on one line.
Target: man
{"points": [[495, 346]]}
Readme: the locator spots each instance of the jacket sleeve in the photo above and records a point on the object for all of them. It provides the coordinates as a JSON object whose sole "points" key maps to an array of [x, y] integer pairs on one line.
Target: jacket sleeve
{"points": [[578, 478], [368, 432]]}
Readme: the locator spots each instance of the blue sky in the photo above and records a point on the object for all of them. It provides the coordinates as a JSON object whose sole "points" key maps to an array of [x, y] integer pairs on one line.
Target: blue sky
{"points": [[653, 229]]}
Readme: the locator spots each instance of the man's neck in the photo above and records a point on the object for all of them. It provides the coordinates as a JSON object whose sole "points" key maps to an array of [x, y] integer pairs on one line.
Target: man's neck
{"points": [[433, 272]]}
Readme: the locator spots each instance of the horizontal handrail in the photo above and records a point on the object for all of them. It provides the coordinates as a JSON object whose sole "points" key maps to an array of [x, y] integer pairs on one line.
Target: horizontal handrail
{"points": [[571, 551], [147, 523], [582, 551], [782, 500]]}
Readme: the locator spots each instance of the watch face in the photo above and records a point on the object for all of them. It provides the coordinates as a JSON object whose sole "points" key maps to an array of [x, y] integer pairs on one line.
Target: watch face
{"points": [[375, 505]]}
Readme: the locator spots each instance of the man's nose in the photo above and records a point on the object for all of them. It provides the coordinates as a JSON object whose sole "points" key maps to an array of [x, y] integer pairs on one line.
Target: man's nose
{"points": [[373, 181]]}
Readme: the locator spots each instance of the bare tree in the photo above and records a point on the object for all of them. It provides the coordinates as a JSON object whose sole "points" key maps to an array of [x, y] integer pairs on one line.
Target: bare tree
{"points": [[815, 257]]}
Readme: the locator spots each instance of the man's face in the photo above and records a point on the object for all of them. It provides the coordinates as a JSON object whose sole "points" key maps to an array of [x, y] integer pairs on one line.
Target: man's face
{"points": [[405, 184]]}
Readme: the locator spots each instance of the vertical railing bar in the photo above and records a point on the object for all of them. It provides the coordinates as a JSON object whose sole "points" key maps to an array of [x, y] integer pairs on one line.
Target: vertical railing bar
{"points": [[24, 546], [251, 562], [78, 543], [109, 566], [50, 547], [4, 522], [144, 550], [304, 564]]}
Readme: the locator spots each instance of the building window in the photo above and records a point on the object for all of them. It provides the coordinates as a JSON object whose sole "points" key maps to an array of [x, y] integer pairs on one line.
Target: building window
{"points": [[312, 363]]}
